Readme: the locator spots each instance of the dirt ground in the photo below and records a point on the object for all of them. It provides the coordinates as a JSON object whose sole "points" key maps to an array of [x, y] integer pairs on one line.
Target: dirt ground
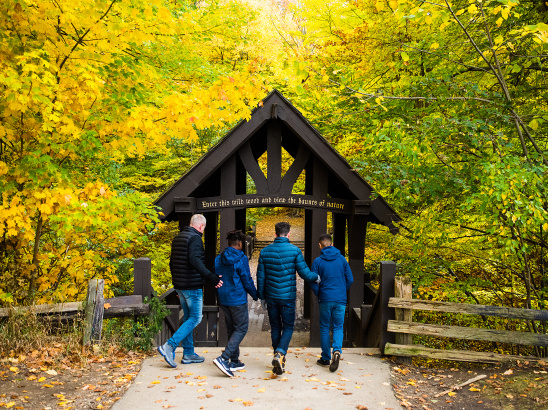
{"points": [[42, 380], [521, 385]]}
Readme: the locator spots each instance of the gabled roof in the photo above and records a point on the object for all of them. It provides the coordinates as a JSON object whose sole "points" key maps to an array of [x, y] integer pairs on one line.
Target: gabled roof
{"points": [[275, 107]]}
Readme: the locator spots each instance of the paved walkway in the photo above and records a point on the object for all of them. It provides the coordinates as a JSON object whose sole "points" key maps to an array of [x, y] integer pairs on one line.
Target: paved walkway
{"points": [[362, 380]]}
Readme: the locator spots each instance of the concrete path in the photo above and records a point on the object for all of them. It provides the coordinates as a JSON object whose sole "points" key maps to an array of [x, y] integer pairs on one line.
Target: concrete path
{"points": [[362, 380]]}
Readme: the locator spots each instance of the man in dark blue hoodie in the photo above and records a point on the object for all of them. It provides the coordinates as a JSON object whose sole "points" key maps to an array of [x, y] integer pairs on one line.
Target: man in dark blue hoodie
{"points": [[336, 278], [232, 266]]}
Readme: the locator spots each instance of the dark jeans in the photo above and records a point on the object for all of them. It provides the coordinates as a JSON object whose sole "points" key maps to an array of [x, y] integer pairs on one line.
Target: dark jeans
{"points": [[281, 314], [237, 323]]}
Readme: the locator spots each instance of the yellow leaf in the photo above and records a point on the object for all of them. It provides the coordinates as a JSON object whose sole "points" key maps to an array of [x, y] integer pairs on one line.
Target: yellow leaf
{"points": [[261, 390], [41, 379], [473, 389], [534, 124], [14, 369], [155, 382], [451, 393], [10, 404], [434, 46]]}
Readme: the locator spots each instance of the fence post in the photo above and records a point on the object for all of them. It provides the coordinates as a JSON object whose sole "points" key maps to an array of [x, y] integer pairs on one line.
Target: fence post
{"points": [[142, 276], [403, 289], [95, 305], [386, 289]]}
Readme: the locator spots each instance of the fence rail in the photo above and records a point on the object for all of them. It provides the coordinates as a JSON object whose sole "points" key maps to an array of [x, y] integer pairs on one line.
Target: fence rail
{"points": [[408, 327]]}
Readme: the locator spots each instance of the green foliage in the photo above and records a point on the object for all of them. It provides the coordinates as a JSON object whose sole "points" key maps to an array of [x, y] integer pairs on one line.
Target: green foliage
{"points": [[136, 333]]}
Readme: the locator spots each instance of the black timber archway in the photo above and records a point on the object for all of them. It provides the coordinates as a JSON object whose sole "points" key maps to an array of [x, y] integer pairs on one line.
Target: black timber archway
{"points": [[216, 186]]}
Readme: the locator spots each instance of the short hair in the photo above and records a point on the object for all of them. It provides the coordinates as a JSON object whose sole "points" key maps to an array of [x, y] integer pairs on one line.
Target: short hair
{"points": [[282, 228], [197, 219], [235, 237], [325, 239]]}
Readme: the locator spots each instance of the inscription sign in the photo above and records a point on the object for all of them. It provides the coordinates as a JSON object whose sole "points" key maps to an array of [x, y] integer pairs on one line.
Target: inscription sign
{"points": [[292, 201]]}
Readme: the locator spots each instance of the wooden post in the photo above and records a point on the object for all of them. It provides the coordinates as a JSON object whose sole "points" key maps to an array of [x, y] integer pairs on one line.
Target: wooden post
{"points": [[357, 228], [142, 274], [95, 305], [386, 289], [210, 246], [403, 288]]}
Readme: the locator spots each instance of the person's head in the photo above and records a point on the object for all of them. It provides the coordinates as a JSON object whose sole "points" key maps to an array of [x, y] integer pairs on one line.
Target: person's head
{"points": [[235, 239], [198, 222], [282, 228], [325, 240]]}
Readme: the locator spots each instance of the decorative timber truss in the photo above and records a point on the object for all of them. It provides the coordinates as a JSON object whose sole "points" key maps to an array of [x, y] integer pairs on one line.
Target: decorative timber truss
{"points": [[217, 186]]}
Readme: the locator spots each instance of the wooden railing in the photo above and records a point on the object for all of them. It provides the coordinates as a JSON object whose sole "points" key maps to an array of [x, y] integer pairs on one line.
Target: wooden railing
{"points": [[405, 326]]}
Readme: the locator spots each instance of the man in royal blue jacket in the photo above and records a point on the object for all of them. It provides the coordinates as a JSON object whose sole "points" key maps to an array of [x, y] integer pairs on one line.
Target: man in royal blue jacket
{"points": [[336, 278], [276, 285], [232, 266]]}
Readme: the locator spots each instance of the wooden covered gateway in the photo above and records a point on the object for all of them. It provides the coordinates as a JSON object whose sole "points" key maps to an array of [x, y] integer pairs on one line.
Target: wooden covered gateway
{"points": [[217, 187]]}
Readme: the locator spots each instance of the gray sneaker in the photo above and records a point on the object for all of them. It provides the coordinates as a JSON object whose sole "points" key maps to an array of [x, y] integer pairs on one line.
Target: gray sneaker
{"points": [[168, 352], [192, 358]]}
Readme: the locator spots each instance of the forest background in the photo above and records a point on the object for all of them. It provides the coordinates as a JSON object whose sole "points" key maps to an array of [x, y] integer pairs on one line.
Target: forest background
{"points": [[441, 107]]}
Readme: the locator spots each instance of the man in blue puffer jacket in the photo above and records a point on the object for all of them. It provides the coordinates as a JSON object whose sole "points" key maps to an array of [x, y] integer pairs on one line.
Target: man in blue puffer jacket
{"points": [[336, 278], [232, 266], [276, 285]]}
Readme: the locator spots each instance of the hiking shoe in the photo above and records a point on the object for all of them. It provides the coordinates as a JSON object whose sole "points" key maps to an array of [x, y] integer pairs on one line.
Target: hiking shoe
{"points": [[237, 365], [278, 364], [223, 366], [168, 352], [323, 362], [192, 358], [335, 362]]}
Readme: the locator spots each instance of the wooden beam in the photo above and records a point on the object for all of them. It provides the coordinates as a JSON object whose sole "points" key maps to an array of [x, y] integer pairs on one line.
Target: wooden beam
{"points": [[456, 355], [318, 226], [339, 232], [252, 167], [142, 276], [469, 309], [295, 170], [274, 157], [469, 333], [210, 249]]}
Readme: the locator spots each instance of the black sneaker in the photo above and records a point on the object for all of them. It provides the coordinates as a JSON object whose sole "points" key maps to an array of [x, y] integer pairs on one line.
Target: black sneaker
{"points": [[279, 364], [323, 362], [223, 366], [335, 362]]}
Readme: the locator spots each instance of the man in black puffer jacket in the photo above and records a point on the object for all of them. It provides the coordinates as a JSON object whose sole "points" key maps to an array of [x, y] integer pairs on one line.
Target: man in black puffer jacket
{"points": [[188, 273]]}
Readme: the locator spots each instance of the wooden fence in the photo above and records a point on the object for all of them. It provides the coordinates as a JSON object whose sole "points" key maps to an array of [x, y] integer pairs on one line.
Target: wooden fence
{"points": [[404, 328]]}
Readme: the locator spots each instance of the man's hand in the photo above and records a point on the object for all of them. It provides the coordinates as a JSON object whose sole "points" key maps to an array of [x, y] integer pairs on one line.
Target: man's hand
{"points": [[219, 284], [263, 304], [318, 280]]}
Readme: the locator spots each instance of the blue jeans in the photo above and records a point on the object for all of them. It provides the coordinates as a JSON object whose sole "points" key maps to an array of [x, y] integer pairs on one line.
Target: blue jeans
{"points": [[331, 316], [192, 302], [237, 323], [281, 314]]}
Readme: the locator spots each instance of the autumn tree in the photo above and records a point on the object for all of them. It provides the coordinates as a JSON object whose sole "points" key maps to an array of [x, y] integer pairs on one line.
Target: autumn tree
{"points": [[87, 84], [442, 106]]}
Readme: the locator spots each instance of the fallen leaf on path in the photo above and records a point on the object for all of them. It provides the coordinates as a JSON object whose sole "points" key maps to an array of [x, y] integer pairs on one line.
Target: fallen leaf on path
{"points": [[51, 372], [473, 389], [509, 371], [155, 382], [451, 393], [261, 390], [107, 305], [216, 387], [248, 403], [14, 369]]}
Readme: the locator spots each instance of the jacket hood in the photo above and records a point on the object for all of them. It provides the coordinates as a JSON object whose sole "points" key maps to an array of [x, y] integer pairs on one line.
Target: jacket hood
{"points": [[330, 253], [230, 256]]}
